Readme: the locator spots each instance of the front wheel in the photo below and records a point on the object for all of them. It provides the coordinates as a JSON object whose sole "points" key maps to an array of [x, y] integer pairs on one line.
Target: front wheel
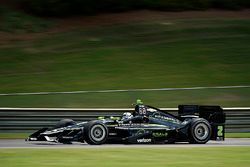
{"points": [[95, 133], [200, 131]]}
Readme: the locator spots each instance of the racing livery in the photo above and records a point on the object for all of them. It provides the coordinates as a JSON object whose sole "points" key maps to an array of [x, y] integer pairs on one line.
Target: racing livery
{"points": [[146, 124]]}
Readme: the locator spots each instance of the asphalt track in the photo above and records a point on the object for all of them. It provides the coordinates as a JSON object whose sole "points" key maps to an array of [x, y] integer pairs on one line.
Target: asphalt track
{"points": [[20, 143]]}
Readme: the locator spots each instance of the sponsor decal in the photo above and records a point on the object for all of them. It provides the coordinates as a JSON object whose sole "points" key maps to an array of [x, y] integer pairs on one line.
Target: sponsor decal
{"points": [[144, 140], [112, 134], [160, 134], [166, 118], [67, 137], [130, 124]]}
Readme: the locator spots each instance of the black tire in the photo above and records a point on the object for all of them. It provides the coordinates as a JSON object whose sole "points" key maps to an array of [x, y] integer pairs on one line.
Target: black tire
{"points": [[95, 133], [200, 131], [64, 123]]}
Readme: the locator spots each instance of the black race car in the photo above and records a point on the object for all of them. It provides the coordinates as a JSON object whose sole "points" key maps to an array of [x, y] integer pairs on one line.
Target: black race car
{"points": [[146, 124]]}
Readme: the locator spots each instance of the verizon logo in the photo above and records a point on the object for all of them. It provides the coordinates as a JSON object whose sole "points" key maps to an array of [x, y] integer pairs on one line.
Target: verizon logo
{"points": [[144, 140]]}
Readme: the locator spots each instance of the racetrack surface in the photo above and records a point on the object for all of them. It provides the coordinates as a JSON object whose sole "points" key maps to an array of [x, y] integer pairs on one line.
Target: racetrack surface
{"points": [[20, 143]]}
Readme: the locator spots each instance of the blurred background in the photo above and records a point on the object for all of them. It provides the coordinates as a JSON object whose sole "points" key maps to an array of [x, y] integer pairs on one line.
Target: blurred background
{"points": [[89, 45], [52, 49]]}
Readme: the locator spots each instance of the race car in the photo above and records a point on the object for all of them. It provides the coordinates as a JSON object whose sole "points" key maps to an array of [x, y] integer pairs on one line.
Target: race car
{"points": [[146, 124]]}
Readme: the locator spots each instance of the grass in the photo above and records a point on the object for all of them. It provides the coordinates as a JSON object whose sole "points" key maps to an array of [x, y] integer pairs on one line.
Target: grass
{"points": [[238, 135], [176, 157], [14, 135], [182, 53], [19, 22], [233, 98]]}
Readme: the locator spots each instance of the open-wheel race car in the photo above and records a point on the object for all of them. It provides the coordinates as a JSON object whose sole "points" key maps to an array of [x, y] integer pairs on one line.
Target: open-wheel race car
{"points": [[146, 124]]}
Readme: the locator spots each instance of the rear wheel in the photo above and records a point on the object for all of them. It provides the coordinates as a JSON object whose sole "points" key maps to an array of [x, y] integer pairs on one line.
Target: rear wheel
{"points": [[200, 131], [95, 133]]}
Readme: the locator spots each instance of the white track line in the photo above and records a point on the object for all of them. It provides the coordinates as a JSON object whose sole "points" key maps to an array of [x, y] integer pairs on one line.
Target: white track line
{"points": [[123, 90]]}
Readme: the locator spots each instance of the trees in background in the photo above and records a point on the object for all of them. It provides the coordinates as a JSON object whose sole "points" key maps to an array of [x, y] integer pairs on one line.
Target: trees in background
{"points": [[73, 7]]}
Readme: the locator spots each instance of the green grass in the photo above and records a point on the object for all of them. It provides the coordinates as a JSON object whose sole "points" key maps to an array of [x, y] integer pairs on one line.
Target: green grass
{"points": [[233, 98], [19, 22], [238, 135], [14, 135], [108, 157], [153, 54]]}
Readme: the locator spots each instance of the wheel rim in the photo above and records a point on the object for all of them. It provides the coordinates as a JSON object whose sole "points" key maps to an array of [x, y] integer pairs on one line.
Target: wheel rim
{"points": [[98, 133], [201, 131]]}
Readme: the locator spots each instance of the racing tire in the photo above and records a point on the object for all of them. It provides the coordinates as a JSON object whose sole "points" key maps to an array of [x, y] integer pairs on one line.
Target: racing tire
{"points": [[200, 131], [64, 123], [95, 133]]}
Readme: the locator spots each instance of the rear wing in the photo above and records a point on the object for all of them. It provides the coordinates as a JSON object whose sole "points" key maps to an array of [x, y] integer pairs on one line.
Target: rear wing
{"points": [[213, 114]]}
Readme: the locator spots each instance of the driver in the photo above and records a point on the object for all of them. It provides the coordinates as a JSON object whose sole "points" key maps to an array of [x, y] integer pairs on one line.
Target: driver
{"points": [[126, 116]]}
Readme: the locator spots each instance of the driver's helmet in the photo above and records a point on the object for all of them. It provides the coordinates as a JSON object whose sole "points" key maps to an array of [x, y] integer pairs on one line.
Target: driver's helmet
{"points": [[126, 115]]}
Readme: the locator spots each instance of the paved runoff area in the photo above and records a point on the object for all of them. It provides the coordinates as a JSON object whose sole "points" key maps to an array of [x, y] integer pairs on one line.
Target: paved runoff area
{"points": [[21, 143]]}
